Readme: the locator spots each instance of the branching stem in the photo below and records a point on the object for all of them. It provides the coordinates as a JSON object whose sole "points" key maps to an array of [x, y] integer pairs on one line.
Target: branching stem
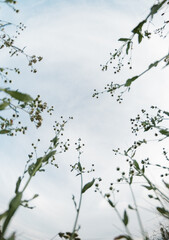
{"points": [[80, 202]]}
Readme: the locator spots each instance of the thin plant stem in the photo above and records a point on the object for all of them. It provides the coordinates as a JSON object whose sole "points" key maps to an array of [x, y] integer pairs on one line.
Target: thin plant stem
{"points": [[137, 212], [119, 216], [126, 228], [155, 189], [80, 202], [33, 173], [24, 188]]}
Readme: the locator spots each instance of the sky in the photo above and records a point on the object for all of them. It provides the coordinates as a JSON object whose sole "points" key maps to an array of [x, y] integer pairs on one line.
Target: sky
{"points": [[74, 38]]}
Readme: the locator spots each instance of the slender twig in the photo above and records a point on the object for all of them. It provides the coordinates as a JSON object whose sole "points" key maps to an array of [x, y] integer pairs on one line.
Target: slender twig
{"points": [[119, 216], [137, 212], [80, 201]]}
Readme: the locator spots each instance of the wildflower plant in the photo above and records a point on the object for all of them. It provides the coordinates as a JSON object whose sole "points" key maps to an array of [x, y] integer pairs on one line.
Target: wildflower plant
{"points": [[154, 122]]}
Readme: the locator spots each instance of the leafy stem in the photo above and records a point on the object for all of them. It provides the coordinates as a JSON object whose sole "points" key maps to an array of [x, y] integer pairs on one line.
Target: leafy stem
{"points": [[32, 169], [80, 198]]}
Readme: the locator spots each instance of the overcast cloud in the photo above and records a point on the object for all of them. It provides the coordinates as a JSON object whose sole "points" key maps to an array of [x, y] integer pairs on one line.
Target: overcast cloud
{"points": [[74, 38]]}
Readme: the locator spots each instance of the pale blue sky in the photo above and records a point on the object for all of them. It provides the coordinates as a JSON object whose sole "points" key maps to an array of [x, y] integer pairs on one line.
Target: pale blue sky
{"points": [[75, 37]]}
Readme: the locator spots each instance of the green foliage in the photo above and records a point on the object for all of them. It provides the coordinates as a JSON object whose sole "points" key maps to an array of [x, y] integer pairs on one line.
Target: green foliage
{"points": [[124, 39], [18, 95], [126, 49], [163, 212], [18, 184], [13, 206], [138, 30], [146, 122], [125, 218], [88, 185], [3, 105], [16, 102], [129, 81], [111, 203]]}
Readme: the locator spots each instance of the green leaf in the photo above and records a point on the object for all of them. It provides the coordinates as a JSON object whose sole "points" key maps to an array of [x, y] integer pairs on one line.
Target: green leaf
{"points": [[166, 184], [31, 169], [111, 203], [136, 165], [4, 131], [55, 141], [9, 1], [153, 121], [166, 113], [148, 187], [153, 64], [138, 28], [18, 184], [163, 211], [156, 7], [34, 167], [35, 196], [19, 96], [140, 37], [133, 154], [164, 132], [3, 215], [15, 202], [3, 105], [143, 169], [88, 185], [124, 39], [49, 155], [3, 119], [131, 179], [130, 80], [61, 234], [130, 207], [128, 47], [125, 218], [79, 167], [147, 128], [123, 237], [13, 206]]}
